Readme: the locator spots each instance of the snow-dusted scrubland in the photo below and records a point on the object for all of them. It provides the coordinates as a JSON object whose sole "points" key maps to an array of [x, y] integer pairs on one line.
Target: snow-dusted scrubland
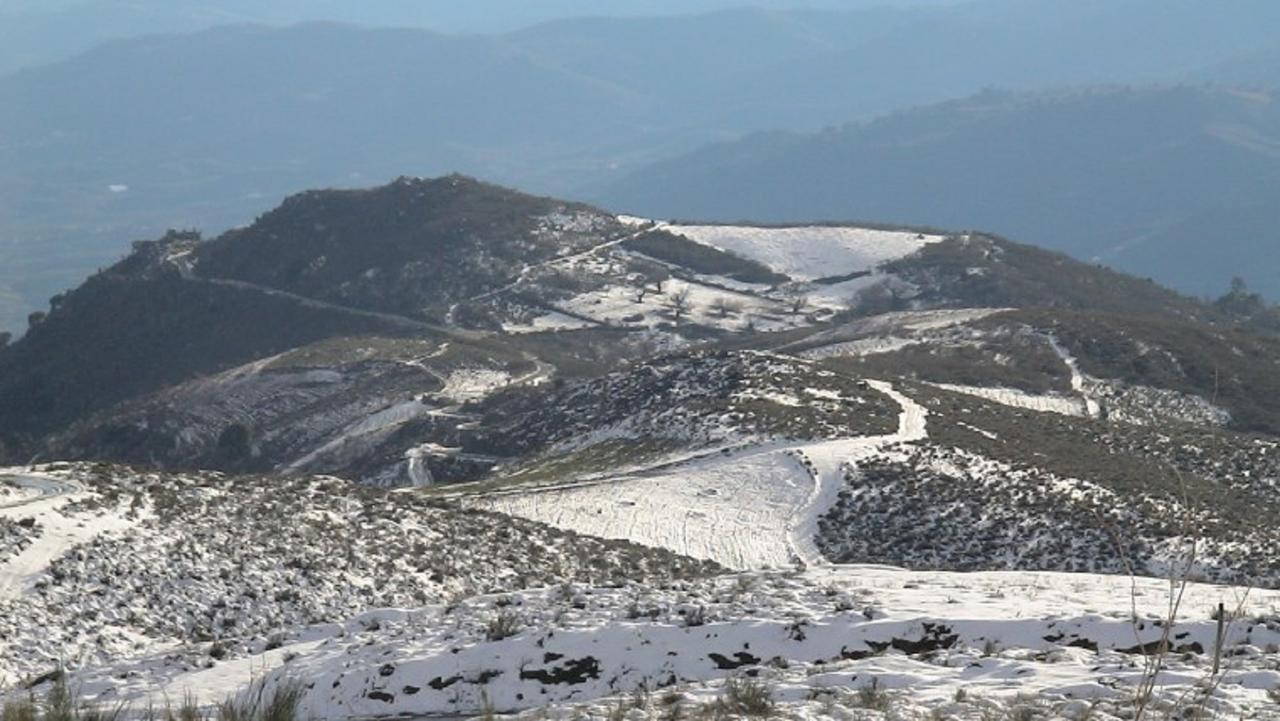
{"points": [[194, 570], [153, 585], [331, 407], [956, 643]]}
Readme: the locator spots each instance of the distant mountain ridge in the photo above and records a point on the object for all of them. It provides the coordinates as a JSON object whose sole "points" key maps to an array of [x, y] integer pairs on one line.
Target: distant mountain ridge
{"points": [[34, 33], [168, 143], [1176, 183]]}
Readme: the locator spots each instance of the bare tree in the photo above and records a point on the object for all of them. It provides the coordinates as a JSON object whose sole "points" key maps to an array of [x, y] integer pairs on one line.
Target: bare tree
{"points": [[797, 302], [680, 303]]}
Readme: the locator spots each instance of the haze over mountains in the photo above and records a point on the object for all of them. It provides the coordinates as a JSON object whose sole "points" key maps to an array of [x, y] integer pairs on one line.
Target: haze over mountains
{"points": [[1175, 183], [205, 130], [33, 32]]}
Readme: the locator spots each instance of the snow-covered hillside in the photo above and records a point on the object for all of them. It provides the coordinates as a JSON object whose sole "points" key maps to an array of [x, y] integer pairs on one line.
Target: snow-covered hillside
{"points": [[373, 608], [763, 462], [640, 281], [333, 407], [812, 252], [754, 507], [485, 452]]}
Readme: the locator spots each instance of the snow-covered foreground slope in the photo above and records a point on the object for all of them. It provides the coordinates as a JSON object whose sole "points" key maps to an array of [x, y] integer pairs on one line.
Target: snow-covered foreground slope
{"points": [[752, 508], [202, 570], [1064, 641]]}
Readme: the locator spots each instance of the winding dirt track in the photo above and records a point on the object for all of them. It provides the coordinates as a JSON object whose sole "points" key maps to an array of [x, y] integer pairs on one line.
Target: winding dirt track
{"points": [[46, 489], [758, 508], [58, 531]]}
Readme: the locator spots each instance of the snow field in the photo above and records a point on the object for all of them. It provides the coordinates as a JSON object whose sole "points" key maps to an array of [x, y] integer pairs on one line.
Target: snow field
{"points": [[754, 508], [734, 511], [472, 384], [809, 253], [802, 253], [620, 305]]}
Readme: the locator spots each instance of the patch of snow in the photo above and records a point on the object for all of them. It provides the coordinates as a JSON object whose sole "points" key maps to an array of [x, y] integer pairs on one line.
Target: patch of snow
{"points": [[923, 320], [633, 220], [1015, 398], [859, 348], [472, 384], [842, 295], [809, 253], [548, 322], [1078, 379], [374, 425], [890, 332], [1134, 404], [416, 459]]}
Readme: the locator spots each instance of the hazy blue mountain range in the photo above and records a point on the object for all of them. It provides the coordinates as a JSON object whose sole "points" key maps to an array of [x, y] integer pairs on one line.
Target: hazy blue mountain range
{"points": [[35, 32], [206, 129], [1179, 183]]}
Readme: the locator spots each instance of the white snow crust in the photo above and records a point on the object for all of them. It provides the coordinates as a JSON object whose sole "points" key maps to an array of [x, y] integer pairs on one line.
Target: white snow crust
{"points": [[813, 252]]}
